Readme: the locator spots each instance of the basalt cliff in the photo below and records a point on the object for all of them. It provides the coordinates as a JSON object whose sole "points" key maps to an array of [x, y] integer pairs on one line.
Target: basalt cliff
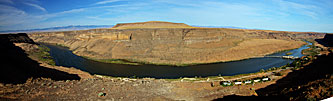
{"points": [[174, 43]]}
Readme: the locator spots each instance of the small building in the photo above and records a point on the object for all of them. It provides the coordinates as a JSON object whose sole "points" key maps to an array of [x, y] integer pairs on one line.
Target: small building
{"points": [[247, 82], [265, 79], [256, 80], [238, 83], [225, 83]]}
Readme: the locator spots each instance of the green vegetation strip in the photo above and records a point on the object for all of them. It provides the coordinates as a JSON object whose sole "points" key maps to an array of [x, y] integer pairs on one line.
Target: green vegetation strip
{"points": [[42, 54], [136, 62], [298, 63], [115, 61]]}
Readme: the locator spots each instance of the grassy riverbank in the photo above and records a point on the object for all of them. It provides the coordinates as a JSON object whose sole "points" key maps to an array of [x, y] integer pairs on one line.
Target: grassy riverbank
{"points": [[141, 62], [115, 61], [295, 65], [137, 62], [197, 78], [42, 53]]}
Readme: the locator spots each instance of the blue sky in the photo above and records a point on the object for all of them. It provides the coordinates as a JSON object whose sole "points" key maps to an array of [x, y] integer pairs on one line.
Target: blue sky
{"points": [[286, 15]]}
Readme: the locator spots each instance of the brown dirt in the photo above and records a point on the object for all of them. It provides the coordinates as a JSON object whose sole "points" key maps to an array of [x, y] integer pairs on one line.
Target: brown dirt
{"points": [[119, 89]]}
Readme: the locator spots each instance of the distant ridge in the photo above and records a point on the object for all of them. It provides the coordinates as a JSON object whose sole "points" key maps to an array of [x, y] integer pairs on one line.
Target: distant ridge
{"points": [[62, 28], [151, 24], [220, 27]]}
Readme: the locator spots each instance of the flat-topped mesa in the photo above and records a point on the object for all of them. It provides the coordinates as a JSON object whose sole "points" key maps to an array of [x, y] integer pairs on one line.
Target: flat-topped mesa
{"points": [[151, 24]]}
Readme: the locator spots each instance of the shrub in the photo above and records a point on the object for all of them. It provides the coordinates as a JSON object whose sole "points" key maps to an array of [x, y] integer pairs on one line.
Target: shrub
{"points": [[101, 94], [278, 74]]}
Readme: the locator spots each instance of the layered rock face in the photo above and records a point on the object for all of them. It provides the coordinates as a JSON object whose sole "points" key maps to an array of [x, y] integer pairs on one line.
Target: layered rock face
{"points": [[151, 24], [175, 45]]}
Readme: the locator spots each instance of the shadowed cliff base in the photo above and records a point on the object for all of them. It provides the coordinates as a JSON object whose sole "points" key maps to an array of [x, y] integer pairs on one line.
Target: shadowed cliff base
{"points": [[327, 41], [17, 67]]}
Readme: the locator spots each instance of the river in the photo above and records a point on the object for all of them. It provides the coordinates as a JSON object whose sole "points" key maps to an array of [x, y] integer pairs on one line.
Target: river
{"points": [[65, 57]]}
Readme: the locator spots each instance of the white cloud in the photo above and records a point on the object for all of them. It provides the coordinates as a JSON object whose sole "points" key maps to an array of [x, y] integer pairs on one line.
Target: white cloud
{"points": [[11, 16], [107, 1], [14, 18], [47, 16], [7, 1], [36, 6], [4, 9], [191, 3], [298, 8]]}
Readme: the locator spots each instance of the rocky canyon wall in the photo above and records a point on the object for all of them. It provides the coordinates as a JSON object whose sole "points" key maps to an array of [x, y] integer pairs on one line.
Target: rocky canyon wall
{"points": [[175, 45]]}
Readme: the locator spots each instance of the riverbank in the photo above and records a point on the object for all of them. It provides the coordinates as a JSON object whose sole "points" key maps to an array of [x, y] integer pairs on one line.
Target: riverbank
{"points": [[174, 46], [40, 53], [198, 78], [105, 88], [295, 45]]}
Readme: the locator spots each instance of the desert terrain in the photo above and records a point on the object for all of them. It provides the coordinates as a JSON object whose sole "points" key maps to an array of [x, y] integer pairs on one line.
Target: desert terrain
{"points": [[27, 77], [169, 43]]}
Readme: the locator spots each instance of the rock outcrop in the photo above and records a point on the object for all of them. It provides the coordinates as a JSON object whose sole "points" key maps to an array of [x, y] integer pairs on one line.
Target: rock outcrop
{"points": [[327, 41], [16, 67], [16, 38], [174, 45]]}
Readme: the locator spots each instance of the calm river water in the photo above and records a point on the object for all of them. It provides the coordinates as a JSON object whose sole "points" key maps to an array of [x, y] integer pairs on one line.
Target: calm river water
{"points": [[65, 57]]}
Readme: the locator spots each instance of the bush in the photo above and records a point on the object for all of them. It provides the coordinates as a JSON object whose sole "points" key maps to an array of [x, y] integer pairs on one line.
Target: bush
{"points": [[101, 94], [278, 74], [42, 53]]}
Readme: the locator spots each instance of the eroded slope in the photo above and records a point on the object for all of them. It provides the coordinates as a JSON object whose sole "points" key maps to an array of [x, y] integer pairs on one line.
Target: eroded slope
{"points": [[175, 45]]}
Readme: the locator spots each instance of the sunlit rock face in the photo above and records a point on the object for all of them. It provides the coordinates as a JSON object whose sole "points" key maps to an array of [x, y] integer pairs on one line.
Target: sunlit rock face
{"points": [[174, 43]]}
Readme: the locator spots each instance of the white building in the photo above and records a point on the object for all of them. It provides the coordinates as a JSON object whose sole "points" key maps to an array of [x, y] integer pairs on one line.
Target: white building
{"points": [[227, 83], [238, 83], [265, 79], [247, 82], [257, 80]]}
